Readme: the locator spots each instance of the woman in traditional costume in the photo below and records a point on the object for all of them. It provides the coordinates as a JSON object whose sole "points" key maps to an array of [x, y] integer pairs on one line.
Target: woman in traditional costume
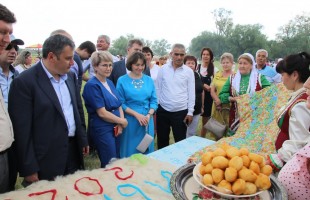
{"points": [[294, 118], [246, 80]]}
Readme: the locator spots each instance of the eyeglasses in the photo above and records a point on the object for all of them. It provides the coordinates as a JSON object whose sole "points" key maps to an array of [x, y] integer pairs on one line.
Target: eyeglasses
{"points": [[106, 65], [179, 54], [10, 46]]}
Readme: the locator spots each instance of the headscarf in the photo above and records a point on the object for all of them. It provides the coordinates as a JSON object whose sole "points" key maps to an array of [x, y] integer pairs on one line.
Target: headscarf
{"points": [[253, 76]]}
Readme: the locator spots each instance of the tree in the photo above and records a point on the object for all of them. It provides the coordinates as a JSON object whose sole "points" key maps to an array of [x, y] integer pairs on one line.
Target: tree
{"points": [[161, 47], [294, 35], [119, 45], [208, 39], [276, 50], [223, 21], [247, 39], [147, 43]]}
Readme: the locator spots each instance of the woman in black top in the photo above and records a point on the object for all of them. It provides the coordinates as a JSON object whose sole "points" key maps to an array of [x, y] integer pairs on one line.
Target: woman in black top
{"points": [[206, 72]]}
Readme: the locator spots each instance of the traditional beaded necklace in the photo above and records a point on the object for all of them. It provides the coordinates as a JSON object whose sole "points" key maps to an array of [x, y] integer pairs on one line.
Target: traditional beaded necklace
{"points": [[137, 83], [244, 88]]}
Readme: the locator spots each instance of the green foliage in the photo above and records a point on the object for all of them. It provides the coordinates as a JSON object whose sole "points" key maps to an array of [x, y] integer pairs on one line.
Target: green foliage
{"points": [[119, 46], [223, 21], [207, 39], [161, 47], [243, 38], [247, 39], [294, 36]]}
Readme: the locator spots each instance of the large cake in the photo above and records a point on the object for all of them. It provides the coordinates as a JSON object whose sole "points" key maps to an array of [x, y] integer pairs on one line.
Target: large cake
{"points": [[138, 177]]}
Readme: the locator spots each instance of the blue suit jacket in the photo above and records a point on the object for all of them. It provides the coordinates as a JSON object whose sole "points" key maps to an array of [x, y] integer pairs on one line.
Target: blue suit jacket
{"points": [[119, 69]]}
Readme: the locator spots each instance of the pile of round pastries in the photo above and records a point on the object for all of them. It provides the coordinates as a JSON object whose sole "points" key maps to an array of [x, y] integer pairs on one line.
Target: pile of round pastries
{"points": [[236, 170]]}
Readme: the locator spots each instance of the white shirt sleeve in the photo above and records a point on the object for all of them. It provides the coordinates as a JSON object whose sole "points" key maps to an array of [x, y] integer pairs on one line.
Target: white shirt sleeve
{"points": [[299, 134], [158, 84]]}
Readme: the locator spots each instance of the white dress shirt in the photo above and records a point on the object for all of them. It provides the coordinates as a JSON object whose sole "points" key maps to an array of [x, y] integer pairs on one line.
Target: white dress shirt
{"points": [[176, 88], [64, 98]]}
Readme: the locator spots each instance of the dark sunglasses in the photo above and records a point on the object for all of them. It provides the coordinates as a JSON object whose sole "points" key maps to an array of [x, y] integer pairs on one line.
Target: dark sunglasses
{"points": [[10, 46]]}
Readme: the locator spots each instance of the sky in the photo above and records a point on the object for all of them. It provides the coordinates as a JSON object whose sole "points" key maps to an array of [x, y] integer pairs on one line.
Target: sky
{"points": [[177, 21]]}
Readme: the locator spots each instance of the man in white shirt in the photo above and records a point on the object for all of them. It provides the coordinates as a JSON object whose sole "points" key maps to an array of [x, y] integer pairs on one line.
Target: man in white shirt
{"points": [[176, 94], [103, 44]]}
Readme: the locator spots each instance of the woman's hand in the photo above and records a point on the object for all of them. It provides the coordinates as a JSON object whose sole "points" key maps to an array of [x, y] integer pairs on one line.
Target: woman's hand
{"points": [[234, 99], [217, 102], [119, 130], [123, 123], [219, 107], [142, 119], [206, 87]]}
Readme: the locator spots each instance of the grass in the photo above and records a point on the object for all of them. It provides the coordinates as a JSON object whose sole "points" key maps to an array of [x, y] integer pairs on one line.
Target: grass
{"points": [[93, 162]]}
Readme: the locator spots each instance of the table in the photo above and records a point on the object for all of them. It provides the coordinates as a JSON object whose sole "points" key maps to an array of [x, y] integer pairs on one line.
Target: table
{"points": [[177, 154]]}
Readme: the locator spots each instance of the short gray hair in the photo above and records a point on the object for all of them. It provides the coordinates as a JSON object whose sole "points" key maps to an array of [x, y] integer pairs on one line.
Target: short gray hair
{"points": [[106, 38], [101, 56], [177, 46], [61, 32], [261, 50]]}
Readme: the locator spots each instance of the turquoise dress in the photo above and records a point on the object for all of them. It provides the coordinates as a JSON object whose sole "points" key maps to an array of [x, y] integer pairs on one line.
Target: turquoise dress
{"points": [[140, 96]]}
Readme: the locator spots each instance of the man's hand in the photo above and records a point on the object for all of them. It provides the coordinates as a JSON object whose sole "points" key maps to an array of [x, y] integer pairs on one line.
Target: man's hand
{"points": [[188, 119], [31, 178], [86, 150]]}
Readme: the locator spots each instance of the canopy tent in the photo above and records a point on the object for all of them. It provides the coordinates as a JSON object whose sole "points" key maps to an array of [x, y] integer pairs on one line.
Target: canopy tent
{"points": [[36, 46]]}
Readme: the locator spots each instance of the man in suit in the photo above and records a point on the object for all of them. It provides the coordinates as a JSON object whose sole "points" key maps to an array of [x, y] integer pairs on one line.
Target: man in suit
{"points": [[119, 68], [83, 52], [7, 18], [47, 115]]}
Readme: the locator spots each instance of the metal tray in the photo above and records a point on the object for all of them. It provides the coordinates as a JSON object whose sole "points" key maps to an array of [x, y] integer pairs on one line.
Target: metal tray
{"points": [[183, 185]]}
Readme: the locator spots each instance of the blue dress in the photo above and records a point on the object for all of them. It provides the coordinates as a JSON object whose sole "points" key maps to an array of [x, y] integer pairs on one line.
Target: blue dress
{"points": [[140, 96], [102, 133]]}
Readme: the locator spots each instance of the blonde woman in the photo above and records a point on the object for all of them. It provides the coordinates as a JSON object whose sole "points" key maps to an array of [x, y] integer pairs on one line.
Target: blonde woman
{"points": [[23, 61], [220, 111], [104, 108]]}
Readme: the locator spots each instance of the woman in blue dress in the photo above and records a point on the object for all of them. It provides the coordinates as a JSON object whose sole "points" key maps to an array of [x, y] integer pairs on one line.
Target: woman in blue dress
{"points": [[139, 102], [104, 109]]}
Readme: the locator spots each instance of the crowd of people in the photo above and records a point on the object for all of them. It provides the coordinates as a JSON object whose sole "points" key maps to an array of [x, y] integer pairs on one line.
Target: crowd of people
{"points": [[129, 101]]}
